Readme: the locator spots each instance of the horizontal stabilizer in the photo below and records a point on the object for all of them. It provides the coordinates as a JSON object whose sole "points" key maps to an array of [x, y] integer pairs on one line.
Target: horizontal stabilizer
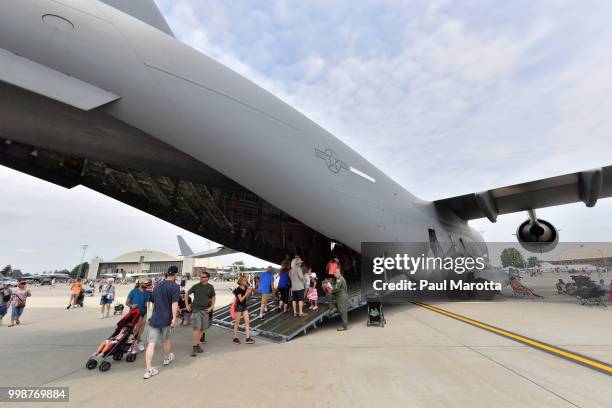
{"points": [[222, 250], [37, 78]]}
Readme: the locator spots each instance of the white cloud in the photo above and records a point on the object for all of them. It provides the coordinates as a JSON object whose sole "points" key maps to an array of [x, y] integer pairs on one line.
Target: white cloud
{"points": [[445, 97]]}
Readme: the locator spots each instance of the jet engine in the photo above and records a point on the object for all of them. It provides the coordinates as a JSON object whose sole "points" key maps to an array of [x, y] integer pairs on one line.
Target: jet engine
{"points": [[537, 235]]}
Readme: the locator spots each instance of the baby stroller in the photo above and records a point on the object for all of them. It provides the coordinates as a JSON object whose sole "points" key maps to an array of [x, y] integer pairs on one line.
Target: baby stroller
{"points": [[80, 298], [588, 293], [118, 309], [122, 341], [376, 316]]}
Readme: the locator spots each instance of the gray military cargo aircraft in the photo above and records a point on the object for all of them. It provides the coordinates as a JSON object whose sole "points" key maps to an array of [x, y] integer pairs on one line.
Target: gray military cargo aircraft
{"points": [[101, 94], [187, 252]]}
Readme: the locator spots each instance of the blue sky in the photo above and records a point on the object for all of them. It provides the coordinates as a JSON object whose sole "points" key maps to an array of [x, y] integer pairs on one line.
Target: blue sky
{"points": [[446, 97]]}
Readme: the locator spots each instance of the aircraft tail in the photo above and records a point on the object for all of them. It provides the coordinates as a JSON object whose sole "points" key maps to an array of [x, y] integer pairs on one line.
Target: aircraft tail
{"points": [[144, 10], [185, 250]]}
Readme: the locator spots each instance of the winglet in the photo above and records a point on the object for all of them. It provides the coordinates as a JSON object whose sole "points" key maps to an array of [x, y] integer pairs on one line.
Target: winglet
{"points": [[185, 250]]}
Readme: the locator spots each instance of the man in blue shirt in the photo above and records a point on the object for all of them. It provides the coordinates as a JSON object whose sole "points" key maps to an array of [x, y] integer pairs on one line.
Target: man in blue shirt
{"points": [[266, 281], [163, 319], [138, 298]]}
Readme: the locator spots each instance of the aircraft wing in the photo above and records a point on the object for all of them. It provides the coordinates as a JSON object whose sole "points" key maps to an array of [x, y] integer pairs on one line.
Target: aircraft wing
{"points": [[222, 250], [586, 186], [37, 78]]}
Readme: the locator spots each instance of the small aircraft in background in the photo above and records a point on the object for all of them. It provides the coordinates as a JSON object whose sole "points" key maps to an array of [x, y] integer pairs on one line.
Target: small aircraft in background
{"points": [[230, 272], [188, 253]]}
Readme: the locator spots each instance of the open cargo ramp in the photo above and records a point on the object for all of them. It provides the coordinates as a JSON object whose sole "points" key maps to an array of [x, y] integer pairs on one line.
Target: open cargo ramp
{"points": [[276, 326]]}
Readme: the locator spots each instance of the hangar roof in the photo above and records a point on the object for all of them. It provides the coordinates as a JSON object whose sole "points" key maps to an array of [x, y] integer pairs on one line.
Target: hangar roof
{"points": [[147, 256], [587, 251]]}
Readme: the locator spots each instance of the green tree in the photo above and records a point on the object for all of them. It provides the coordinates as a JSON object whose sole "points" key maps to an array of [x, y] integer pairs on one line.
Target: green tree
{"points": [[532, 261], [75, 271], [6, 271], [240, 265], [512, 257]]}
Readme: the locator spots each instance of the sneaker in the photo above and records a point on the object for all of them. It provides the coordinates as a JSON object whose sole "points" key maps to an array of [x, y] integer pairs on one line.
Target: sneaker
{"points": [[194, 351], [199, 349], [67, 307], [249, 341], [150, 373], [141, 346], [236, 340], [342, 328], [169, 359], [101, 316]]}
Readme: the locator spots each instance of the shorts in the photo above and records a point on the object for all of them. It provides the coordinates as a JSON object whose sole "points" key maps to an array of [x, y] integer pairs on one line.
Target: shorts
{"points": [[284, 294], [17, 311], [105, 300], [241, 307], [3, 310], [298, 295], [199, 320], [160, 334]]}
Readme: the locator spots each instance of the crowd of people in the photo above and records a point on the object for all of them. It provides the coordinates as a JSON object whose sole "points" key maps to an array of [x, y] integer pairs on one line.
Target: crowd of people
{"points": [[295, 284], [297, 281]]}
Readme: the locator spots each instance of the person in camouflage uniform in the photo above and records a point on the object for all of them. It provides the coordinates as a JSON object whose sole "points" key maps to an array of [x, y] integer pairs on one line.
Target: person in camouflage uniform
{"points": [[340, 298]]}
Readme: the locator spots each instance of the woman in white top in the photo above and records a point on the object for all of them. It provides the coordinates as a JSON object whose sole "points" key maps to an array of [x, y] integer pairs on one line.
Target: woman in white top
{"points": [[108, 295], [297, 286]]}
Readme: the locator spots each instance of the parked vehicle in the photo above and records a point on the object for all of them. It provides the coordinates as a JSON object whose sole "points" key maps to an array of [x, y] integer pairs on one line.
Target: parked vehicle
{"points": [[9, 281]]}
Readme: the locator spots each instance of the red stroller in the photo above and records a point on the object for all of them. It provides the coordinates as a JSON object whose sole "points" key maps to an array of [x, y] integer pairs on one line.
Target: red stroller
{"points": [[122, 341]]}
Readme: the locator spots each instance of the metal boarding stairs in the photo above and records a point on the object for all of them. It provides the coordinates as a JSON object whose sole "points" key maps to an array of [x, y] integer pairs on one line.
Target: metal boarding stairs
{"points": [[276, 326]]}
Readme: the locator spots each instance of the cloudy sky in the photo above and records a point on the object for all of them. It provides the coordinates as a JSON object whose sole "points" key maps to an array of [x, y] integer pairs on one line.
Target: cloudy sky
{"points": [[446, 97]]}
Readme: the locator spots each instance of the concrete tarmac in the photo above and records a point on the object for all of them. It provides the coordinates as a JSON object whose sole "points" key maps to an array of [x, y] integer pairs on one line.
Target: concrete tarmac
{"points": [[420, 359]]}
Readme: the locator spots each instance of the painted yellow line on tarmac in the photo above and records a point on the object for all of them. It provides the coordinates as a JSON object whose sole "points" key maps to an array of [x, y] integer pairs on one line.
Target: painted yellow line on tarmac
{"points": [[577, 358]]}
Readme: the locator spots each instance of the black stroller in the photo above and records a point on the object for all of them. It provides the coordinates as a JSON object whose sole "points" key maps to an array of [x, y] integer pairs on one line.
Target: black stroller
{"points": [[118, 309], [588, 292], [122, 341], [376, 316], [80, 298]]}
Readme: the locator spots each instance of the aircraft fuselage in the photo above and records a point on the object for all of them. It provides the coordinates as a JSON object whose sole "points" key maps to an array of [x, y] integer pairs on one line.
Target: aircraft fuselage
{"points": [[199, 107]]}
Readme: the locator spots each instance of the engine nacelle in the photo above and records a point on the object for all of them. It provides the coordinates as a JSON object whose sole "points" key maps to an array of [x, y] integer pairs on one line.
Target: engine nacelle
{"points": [[537, 235]]}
